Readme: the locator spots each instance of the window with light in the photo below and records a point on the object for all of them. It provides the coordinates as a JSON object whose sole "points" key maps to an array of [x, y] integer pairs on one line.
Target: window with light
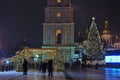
{"points": [[58, 14], [58, 36], [58, 1]]}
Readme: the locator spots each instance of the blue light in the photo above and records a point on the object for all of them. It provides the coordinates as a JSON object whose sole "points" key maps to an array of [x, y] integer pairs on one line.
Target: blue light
{"points": [[112, 59], [7, 62]]}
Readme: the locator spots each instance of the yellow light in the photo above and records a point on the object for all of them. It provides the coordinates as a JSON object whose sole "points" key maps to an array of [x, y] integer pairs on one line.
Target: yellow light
{"points": [[58, 14], [78, 33], [57, 33], [58, 1]]}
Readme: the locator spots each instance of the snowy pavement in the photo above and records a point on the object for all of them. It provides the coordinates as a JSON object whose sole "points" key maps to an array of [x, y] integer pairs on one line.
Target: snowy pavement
{"points": [[32, 75], [85, 74]]}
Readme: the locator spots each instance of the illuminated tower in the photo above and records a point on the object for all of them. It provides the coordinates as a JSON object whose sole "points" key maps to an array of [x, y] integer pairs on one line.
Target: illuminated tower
{"points": [[106, 34], [58, 28], [94, 41]]}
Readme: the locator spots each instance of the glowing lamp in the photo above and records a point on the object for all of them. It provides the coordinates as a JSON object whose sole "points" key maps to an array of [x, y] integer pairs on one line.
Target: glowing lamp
{"points": [[37, 55], [7, 62]]}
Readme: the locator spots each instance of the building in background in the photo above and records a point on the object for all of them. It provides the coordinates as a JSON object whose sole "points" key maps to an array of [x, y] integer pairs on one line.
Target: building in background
{"points": [[106, 35], [116, 43], [108, 39]]}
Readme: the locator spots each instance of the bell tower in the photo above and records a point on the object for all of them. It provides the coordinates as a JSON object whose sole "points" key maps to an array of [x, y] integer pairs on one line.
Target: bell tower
{"points": [[58, 28]]}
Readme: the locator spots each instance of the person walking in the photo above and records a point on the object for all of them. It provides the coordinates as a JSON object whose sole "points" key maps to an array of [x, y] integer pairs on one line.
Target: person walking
{"points": [[44, 66], [25, 67], [96, 66], [50, 68]]}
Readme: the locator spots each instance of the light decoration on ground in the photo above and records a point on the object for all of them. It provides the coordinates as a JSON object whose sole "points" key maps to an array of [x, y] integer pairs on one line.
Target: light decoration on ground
{"points": [[112, 56], [112, 59]]}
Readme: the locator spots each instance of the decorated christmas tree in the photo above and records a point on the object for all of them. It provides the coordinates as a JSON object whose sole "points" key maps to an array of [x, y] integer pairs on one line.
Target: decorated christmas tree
{"points": [[94, 42]]}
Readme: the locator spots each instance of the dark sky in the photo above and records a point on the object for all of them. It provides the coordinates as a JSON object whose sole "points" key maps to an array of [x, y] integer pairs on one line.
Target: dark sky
{"points": [[19, 17]]}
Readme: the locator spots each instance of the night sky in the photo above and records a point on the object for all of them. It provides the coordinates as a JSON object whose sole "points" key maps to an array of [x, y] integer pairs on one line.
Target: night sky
{"points": [[24, 18]]}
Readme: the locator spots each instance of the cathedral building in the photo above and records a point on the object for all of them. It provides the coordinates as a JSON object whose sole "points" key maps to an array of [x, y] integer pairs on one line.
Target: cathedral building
{"points": [[58, 37], [108, 38], [106, 35]]}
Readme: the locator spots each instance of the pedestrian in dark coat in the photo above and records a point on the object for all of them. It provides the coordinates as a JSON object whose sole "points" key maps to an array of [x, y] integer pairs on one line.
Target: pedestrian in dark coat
{"points": [[25, 67], [44, 66], [96, 65], [50, 68]]}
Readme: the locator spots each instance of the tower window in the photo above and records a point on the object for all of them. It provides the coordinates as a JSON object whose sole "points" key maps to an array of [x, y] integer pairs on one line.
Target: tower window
{"points": [[58, 1], [58, 14]]}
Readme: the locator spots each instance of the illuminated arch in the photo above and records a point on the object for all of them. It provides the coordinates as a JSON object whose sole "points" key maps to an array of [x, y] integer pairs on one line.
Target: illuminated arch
{"points": [[58, 36]]}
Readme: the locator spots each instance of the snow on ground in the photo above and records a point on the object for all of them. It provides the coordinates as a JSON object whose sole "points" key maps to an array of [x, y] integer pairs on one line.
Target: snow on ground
{"points": [[32, 75]]}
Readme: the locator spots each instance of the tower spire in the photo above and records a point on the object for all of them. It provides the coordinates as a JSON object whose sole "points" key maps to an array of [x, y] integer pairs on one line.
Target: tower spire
{"points": [[106, 23], [24, 35]]}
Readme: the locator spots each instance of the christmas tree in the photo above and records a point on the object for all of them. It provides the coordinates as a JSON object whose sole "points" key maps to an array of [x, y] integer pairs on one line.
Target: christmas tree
{"points": [[94, 42]]}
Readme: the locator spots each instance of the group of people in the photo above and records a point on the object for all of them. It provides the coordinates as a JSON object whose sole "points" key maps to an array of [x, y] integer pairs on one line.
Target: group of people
{"points": [[6, 67], [45, 66]]}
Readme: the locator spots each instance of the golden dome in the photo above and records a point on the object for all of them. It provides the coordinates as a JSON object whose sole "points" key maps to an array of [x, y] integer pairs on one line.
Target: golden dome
{"points": [[106, 30]]}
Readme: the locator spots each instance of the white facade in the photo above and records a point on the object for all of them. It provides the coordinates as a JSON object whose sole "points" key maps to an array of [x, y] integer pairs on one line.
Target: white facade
{"points": [[58, 28], [117, 45], [67, 33]]}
